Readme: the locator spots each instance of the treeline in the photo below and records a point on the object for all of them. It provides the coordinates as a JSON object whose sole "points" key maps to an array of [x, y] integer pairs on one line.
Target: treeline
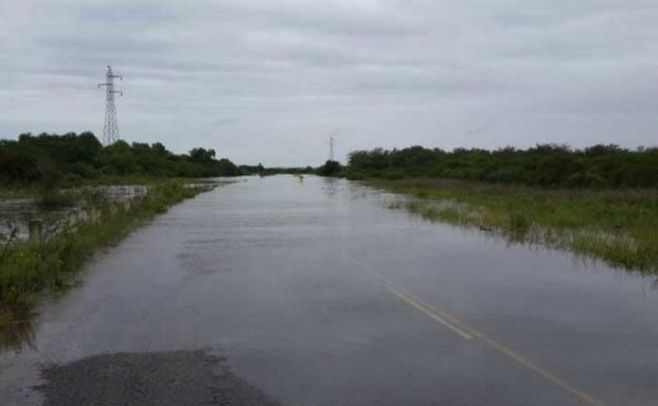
{"points": [[263, 171], [544, 165], [71, 158], [330, 168]]}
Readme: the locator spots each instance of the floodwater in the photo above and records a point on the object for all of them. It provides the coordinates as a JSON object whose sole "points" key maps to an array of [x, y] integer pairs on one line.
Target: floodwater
{"points": [[15, 214], [316, 294]]}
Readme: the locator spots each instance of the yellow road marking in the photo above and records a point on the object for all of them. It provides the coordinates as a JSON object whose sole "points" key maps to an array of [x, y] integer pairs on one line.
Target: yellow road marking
{"points": [[433, 315], [468, 333]]}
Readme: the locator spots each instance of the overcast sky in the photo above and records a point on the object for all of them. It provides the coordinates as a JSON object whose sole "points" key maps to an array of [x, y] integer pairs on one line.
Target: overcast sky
{"points": [[270, 81]]}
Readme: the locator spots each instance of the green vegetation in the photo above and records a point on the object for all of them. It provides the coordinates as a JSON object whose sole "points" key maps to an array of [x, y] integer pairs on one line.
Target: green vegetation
{"points": [[48, 162], [548, 166], [600, 201], [263, 171], [330, 168], [28, 268], [53, 168], [617, 226]]}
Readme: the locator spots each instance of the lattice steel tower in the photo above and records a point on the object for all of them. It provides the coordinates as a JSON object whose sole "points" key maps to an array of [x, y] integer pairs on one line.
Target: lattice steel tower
{"points": [[111, 127], [332, 145]]}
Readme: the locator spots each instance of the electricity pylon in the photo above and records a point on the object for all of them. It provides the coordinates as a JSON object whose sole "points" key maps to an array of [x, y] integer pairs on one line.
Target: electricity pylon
{"points": [[332, 145], [111, 127]]}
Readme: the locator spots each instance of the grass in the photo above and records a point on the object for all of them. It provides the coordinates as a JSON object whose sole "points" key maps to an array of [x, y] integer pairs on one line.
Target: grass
{"points": [[617, 226], [136, 179], [53, 198], [29, 268], [8, 192], [37, 191]]}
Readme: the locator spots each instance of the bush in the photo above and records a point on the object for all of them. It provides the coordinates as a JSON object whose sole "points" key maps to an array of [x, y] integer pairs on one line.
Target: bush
{"points": [[549, 166], [72, 158], [584, 180]]}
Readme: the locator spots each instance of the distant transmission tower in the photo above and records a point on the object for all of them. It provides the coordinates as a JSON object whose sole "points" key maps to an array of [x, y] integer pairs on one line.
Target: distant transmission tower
{"points": [[111, 127], [332, 145]]}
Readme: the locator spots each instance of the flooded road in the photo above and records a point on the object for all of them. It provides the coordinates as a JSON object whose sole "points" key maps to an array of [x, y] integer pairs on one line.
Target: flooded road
{"points": [[313, 293]]}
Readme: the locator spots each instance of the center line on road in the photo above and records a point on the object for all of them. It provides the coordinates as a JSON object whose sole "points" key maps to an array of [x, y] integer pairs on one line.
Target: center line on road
{"points": [[469, 333], [429, 312]]}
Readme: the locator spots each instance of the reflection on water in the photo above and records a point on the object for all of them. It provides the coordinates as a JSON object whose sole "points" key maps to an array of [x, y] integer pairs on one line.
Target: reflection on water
{"points": [[517, 229], [330, 186], [282, 276], [15, 216], [17, 335]]}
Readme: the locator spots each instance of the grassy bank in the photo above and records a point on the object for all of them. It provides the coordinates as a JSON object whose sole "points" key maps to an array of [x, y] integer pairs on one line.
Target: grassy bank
{"points": [[62, 195], [29, 268], [617, 226]]}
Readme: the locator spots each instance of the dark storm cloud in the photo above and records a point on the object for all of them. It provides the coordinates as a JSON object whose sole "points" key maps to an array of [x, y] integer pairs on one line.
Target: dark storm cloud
{"points": [[269, 81]]}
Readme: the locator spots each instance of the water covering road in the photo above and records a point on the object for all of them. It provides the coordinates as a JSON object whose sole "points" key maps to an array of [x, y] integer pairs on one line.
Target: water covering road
{"points": [[313, 293]]}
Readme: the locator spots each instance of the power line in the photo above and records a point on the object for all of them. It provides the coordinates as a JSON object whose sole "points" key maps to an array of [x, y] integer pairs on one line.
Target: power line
{"points": [[111, 126]]}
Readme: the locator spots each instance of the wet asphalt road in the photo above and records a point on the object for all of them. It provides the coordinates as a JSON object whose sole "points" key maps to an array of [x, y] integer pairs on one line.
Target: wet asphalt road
{"points": [[276, 291], [151, 378]]}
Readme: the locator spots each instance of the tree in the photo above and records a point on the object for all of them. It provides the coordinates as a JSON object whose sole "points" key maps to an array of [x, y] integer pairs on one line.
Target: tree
{"points": [[67, 159], [202, 155], [330, 168]]}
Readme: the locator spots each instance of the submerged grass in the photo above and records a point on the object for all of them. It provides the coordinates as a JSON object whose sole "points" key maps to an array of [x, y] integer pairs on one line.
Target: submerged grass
{"points": [[619, 227], [28, 268]]}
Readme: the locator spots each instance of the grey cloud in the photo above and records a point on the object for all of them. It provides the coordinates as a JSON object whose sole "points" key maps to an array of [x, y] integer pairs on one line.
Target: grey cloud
{"points": [[267, 81], [225, 121], [126, 13]]}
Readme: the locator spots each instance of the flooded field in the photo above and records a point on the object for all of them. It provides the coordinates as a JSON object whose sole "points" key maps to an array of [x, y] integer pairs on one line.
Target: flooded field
{"points": [[15, 214], [312, 291]]}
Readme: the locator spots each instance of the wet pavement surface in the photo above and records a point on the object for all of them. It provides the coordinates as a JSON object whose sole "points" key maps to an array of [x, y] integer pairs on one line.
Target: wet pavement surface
{"points": [[160, 379], [313, 293]]}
